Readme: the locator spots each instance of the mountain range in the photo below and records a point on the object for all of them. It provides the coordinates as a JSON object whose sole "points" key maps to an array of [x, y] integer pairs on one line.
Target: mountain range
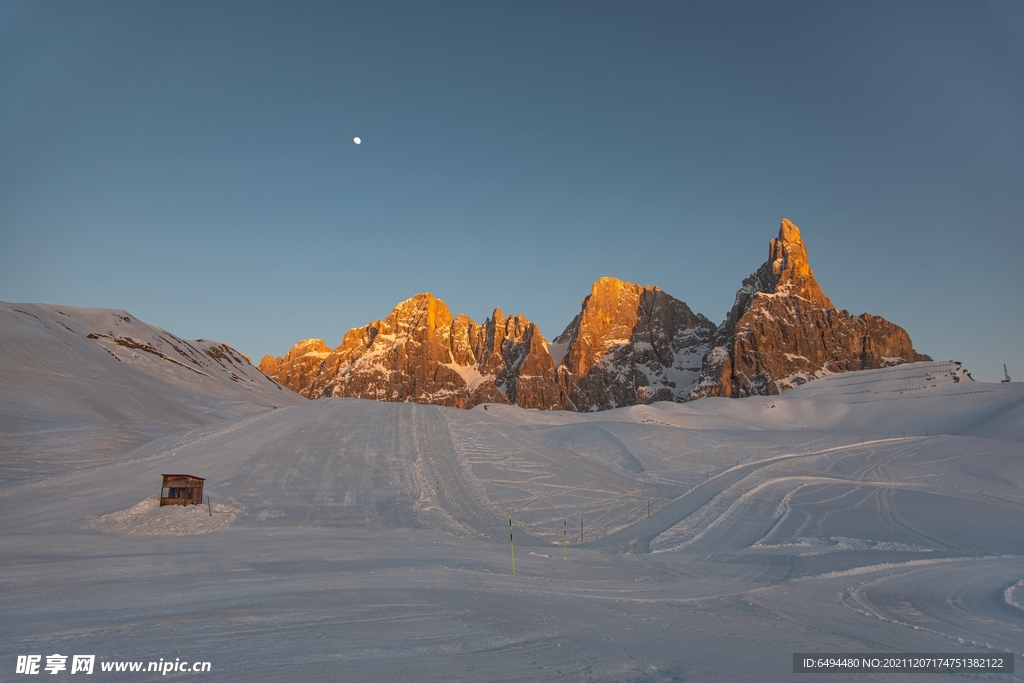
{"points": [[628, 345], [376, 538]]}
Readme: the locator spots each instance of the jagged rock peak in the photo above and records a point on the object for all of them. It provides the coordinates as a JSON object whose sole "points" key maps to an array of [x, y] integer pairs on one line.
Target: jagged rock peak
{"points": [[308, 347], [299, 366], [421, 353], [608, 312], [787, 271], [423, 311], [783, 331], [788, 232], [630, 344], [790, 270]]}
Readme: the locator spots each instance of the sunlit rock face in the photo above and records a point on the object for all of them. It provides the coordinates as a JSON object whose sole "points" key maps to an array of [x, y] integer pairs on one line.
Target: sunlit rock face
{"points": [[421, 353], [299, 366], [630, 345], [783, 331], [400, 358]]}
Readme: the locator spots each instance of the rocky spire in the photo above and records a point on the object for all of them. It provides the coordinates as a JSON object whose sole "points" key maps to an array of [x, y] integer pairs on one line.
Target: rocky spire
{"points": [[786, 271], [783, 331]]}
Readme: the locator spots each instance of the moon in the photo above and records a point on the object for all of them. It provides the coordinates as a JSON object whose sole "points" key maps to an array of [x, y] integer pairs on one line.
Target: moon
{"points": [[357, 141]]}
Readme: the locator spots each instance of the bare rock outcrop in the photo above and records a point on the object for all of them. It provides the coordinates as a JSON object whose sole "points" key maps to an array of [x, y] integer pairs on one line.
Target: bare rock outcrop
{"points": [[421, 353], [783, 331], [400, 358], [630, 345], [514, 352], [299, 366]]}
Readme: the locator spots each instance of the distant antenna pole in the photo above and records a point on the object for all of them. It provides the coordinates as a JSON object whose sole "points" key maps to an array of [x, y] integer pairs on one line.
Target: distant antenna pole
{"points": [[1006, 375], [511, 543]]}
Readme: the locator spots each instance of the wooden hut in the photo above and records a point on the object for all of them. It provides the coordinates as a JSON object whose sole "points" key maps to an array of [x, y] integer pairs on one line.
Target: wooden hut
{"points": [[181, 489]]}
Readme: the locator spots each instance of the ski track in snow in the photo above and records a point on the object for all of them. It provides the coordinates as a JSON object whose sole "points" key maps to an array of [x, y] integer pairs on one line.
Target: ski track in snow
{"points": [[364, 541]]}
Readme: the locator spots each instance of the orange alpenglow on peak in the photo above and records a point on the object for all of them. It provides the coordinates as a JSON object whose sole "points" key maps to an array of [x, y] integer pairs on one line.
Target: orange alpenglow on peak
{"points": [[629, 344], [772, 343], [421, 353], [793, 275], [788, 232], [421, 311]]}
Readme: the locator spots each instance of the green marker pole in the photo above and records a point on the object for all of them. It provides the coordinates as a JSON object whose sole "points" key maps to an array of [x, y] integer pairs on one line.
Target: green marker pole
{"points": [[565, 538], [511, 543]]}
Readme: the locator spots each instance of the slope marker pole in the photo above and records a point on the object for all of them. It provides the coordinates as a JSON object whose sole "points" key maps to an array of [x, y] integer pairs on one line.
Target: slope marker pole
{"points": [[581, 528], [565, 538], [511, 543]]}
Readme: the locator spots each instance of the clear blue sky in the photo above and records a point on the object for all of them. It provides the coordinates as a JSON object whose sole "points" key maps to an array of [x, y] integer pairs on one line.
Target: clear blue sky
{"points": [[193, 163]]}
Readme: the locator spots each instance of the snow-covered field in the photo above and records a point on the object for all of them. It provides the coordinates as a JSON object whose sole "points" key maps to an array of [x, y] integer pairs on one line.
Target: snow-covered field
{"points": [[348, 540]]}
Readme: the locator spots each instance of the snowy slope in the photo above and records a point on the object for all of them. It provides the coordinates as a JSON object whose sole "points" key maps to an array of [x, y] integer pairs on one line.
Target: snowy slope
{"points": [[914, 398], [83, 385], [360, 541]]}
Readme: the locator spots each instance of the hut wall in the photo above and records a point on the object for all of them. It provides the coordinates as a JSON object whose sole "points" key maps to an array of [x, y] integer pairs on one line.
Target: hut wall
{"points": [[181, 489]]}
